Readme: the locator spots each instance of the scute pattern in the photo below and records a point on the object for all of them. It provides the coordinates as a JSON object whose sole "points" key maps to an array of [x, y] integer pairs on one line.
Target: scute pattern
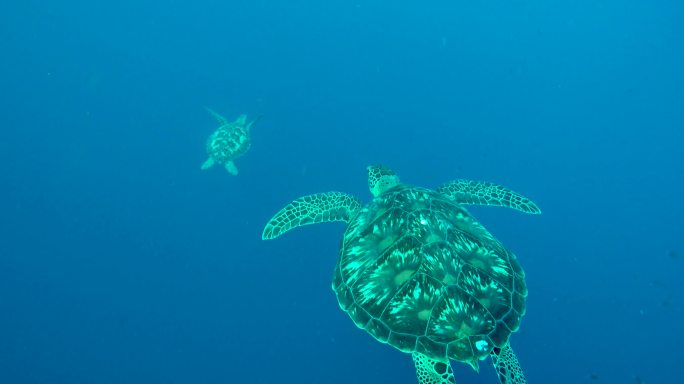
{"points": [[386, 278], [417, 271], [459, 316], [411, 308]]}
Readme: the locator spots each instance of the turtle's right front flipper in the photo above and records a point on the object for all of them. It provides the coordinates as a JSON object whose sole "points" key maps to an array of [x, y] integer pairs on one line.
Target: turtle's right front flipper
{"points": [[486, 193], [312, 209]]}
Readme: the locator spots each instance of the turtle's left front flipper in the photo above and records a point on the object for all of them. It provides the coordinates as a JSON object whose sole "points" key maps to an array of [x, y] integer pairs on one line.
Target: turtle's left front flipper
{"points": [[507, 366], [312, 209], [485, 193], [222, 120]]}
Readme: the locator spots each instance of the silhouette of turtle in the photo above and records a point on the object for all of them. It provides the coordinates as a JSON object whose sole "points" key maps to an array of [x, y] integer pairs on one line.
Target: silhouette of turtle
{"points": [[418, 272], [228, 142]]}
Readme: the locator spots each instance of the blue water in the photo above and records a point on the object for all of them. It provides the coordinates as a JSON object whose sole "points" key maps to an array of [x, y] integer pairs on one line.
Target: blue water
{"points": [[122, 262]]}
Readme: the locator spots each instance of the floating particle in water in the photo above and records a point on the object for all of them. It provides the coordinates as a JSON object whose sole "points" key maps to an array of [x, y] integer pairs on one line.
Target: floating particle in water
{"points": [[673, 254]]}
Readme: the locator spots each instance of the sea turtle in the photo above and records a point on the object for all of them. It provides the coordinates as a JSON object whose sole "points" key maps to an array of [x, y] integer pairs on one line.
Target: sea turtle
{"points": [[418, 272], [228, 142]]}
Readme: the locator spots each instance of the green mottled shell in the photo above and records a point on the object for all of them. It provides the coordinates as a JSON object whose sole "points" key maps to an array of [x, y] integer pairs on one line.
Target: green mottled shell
{"points": [[228, 142], [418, 272]]}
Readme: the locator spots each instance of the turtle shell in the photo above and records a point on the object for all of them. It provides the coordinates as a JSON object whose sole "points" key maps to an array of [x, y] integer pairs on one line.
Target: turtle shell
{"points": [[418, 272], [228, 142]]}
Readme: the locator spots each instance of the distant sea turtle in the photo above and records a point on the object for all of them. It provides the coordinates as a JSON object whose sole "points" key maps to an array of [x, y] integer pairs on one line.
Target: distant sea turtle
{"points": [[418, 272], [228, 142]]}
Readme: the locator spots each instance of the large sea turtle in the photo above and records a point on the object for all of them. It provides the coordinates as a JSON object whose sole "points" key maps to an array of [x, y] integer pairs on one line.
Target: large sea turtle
{"points": [[228, 142], [418, 272]]}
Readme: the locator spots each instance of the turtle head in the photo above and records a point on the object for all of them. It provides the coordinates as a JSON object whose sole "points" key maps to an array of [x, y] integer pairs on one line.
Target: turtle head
{"points": [[380, 179]]}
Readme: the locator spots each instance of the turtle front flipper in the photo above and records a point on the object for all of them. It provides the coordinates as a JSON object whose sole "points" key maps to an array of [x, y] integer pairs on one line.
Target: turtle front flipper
{"points": [[432, 371], [485, 193], [312, 209], [222, 120], [507, 366]]}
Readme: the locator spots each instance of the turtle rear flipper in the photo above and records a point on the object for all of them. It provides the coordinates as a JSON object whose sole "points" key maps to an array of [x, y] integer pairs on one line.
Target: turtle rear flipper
{"points": [[231, 168], [486, 193], [312, 209], [507, 366], [208, 163], [432, 371]]}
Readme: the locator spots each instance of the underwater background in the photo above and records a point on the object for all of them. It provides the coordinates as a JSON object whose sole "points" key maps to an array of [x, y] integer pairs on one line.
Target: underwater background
{"points": [[122, 262]]}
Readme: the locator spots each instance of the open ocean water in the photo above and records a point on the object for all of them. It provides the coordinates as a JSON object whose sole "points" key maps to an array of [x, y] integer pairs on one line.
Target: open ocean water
{"points": [[122, 262]]}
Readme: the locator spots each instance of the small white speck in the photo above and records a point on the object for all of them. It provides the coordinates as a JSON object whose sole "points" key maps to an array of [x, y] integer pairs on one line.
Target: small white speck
{"points": [[481, 345]]}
